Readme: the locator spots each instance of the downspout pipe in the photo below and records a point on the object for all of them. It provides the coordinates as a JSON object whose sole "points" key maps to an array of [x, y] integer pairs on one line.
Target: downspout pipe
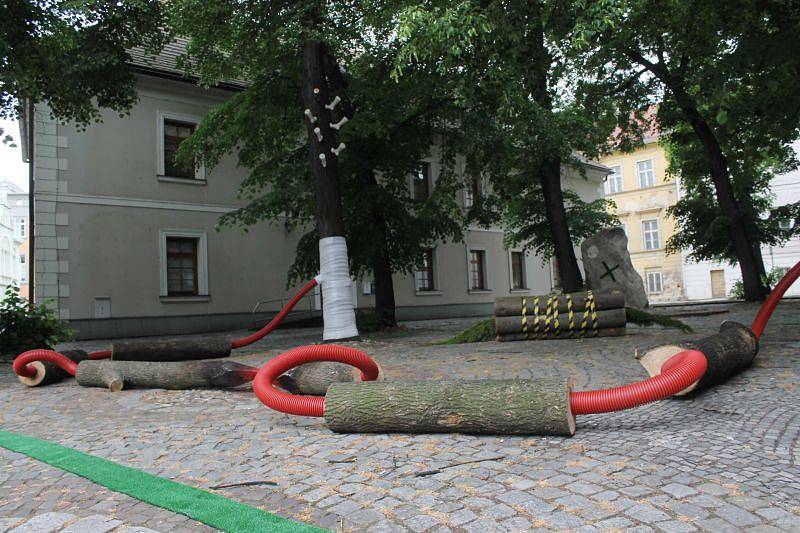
{"points": [[31, 208]]}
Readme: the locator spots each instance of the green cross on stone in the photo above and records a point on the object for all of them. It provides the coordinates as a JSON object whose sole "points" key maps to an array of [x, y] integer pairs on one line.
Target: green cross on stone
{"points": [[609, 272]]}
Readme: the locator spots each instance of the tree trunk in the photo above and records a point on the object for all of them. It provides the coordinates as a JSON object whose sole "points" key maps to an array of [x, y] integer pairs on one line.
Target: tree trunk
{"points": [[747, 253], [315, 378], [316, 94], [175, 349], [612, 318], [512, 305], [384, 288], [550, 167], [171, 375], [518, 407], [728, 352], [568, 270], [608, 332]]}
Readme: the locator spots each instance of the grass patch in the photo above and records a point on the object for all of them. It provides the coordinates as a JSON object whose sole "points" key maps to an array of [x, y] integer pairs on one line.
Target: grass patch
{"points": [[481, 332], [642, 318]]}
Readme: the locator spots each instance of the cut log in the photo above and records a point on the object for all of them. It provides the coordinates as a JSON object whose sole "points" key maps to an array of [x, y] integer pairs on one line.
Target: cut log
{"points": [[608, 332], [315, 378], [512, 305], [728, 352], [516, 407], [47, 373], [176, 349], [612, 318], [164, 375]]}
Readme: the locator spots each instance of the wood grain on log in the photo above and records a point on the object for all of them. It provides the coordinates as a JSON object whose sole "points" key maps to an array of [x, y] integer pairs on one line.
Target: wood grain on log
{"points": [[518, 407], [163, 375], [175, 349], [512, 305], [47, 373], [728, 352], [315, 378], [608, 332], [612, 318]]}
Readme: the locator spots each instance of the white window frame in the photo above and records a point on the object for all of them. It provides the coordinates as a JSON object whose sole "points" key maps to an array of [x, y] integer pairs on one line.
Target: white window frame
{"points": [[23, 268], [367, 287], [525, 285], [437, 288], [651, 170], [615, 177], [413, 176], [646, 232], [656, 274], [202, 261], [469, 199], [200, 171], [20, 222], [486, 273]]}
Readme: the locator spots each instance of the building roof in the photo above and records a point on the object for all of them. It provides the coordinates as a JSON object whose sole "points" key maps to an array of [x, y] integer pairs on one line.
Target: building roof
{"points": [[165, 64]]}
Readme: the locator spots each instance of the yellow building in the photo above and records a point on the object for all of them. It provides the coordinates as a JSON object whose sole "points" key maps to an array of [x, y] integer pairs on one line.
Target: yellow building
{"points": [[642, 192]]}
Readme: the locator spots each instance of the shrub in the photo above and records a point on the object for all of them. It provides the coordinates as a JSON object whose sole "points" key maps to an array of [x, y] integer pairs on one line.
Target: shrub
{"points": [[770, 280], [25, 325]]}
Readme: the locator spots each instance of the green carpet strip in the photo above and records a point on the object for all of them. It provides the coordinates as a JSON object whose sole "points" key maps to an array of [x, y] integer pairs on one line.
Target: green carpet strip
{"points": [[211, 509]]}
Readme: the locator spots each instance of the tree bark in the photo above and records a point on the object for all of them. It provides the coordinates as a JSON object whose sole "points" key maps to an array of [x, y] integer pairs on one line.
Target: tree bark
{"points": [[175, 349], [728, 353], [751, 263], [612, 318], [163, 375], [549, 169], [608, 332], [518, 407], [385, 305], [315, 378], [316, 94]]}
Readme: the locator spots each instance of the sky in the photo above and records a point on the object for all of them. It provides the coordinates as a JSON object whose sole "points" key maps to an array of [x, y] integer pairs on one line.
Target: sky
{"points": [[12, 168]]}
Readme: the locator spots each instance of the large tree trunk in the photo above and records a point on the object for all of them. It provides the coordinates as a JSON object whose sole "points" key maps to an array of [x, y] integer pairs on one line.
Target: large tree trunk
{"points": [[384, 287], [205, 374], [568, 270], [550, 168], [747, 253]]}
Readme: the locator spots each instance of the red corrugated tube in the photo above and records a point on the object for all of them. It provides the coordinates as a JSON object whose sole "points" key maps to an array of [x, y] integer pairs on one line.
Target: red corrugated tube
{"points": [[294, 404], [761, 319]]}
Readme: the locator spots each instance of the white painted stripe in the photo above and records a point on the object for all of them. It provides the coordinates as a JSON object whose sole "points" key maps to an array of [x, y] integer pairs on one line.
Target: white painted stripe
{"points": [[118, 201]]}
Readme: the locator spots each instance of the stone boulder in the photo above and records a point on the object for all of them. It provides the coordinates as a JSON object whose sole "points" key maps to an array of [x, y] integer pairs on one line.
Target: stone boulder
{"points": [[607, 265]]}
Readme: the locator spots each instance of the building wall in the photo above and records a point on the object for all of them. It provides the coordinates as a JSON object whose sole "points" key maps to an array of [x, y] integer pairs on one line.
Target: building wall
{"points": [[102, 210], [635, 205]]}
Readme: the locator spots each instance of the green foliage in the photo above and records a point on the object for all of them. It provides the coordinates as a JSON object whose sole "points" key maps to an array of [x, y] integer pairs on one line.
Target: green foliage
{"points": [[770, 280], [25, 326], [392, 129], [73, 55], [368, 321], [480, 332], [643, 318], [729, 67]]}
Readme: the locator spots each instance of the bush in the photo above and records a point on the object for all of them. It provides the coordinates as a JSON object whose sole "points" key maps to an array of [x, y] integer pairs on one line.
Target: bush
{"points": [[770, 280], [25, 326]]}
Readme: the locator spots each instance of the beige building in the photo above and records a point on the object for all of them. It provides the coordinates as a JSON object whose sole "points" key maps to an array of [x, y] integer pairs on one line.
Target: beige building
{"points": [[126, 242], [642, 192]]}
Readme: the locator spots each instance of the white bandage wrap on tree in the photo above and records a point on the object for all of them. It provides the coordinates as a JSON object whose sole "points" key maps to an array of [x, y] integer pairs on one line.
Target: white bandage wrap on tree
{"points": [[337, 290]]}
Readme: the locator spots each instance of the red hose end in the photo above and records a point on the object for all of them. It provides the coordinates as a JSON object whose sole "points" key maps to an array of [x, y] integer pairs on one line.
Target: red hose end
{"points": [[21, 368], [295, 404]]}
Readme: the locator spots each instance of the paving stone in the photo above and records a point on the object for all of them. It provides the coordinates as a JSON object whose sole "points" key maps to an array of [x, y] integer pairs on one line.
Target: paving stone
{"points": [[678, 490], [461, 517], [737, 516], [421, 522], [645, 512], [44, 523]]}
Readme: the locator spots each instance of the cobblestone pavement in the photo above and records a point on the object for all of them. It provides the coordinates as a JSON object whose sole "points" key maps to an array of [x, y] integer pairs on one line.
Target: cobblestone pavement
{"points": [[728, 460]]}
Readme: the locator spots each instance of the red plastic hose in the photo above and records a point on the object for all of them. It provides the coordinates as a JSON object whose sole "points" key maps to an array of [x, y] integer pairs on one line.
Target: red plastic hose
{"points": [[295, 404], [260, 334], [680, 371], [21, 367], [761, 319]]}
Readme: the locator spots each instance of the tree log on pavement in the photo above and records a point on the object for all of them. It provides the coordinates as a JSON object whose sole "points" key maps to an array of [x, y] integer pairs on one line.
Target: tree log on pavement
{"points": [[607, 332], [176, 375], [315, 378], [512, 305], [514, 407], [174, 349], [613, 318]]}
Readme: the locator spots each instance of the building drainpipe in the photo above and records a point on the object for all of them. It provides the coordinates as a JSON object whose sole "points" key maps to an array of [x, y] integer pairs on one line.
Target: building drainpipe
{"points": [[31, 210]]}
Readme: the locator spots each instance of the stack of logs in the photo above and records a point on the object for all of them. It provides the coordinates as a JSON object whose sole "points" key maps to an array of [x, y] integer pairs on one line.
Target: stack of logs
{"points": [[560, 316]]}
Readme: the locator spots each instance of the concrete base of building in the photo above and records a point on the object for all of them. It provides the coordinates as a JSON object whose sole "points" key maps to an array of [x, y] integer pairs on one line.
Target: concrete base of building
{"points": [[111, 328]]}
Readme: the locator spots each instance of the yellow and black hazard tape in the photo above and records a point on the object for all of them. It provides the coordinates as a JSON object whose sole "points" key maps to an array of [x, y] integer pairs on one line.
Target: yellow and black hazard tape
{"points": [[536, 317], [525, 316], [571, 315], [554, 311], [548, 318]]}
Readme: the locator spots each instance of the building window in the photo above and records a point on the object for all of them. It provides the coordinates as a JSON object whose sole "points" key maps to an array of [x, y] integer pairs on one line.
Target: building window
{"points": [[23, 268], [368, 287], [518, 280], [181, 266], [184, 263], [615, 180], [422, 182], [647, 176], [477, 270], [650, 234], [472, 192], [655, 282], [19, 227], [173, 129], [425, 276]]}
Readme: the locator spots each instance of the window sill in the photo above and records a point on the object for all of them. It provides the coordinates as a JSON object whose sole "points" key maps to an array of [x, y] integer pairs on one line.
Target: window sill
{"points": [[522, 290], [428, 293], [183, 181], [183, 299], [479, 291]]}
